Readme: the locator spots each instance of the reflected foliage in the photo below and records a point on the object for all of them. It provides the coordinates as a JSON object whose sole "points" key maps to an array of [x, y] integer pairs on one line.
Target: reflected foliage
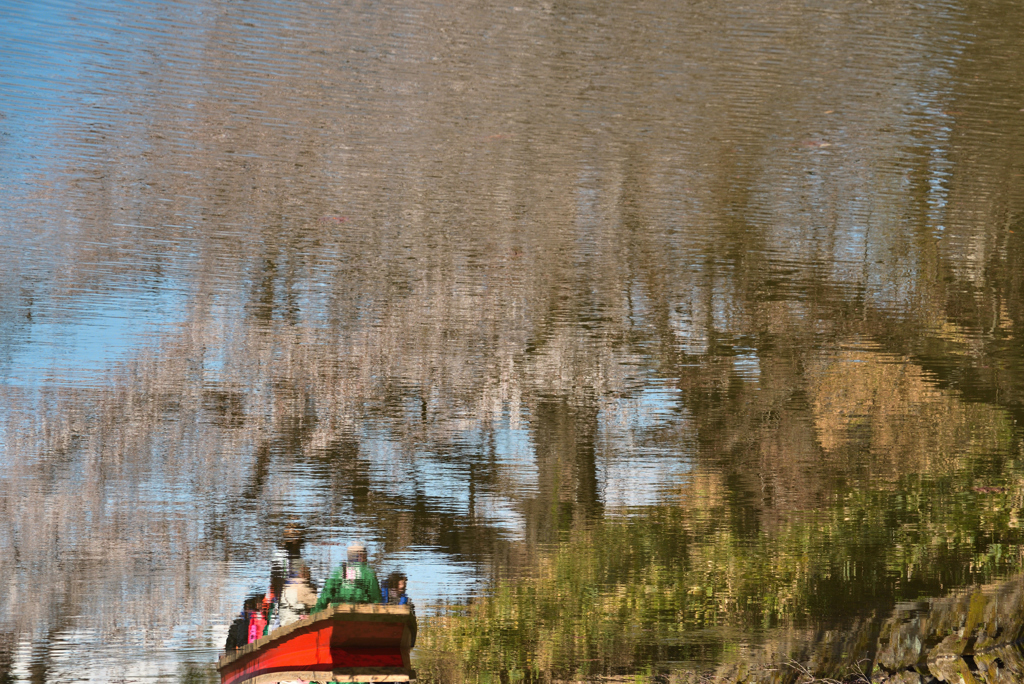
{"points": [[680, 584]]}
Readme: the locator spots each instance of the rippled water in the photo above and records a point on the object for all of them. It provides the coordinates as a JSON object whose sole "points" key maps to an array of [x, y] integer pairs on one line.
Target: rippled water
{"points": [[649, 340]]}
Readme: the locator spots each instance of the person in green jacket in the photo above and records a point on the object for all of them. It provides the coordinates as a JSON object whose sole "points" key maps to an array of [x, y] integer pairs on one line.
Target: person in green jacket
{"points": [[352, 582]]}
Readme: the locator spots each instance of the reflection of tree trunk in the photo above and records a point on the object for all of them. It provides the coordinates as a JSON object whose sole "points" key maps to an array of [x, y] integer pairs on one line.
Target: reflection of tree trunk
{"points": [[39, 667], [42, 652], [352, 478], [564, 438], [7, 644]]}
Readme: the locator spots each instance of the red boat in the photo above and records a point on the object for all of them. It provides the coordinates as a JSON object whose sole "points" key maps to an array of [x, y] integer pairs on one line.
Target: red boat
{"points": [[345, 643]]}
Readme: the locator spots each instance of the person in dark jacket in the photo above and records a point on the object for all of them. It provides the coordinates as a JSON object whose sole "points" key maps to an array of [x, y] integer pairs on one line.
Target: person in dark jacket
{"points": [[393, 591], [238, 632]]}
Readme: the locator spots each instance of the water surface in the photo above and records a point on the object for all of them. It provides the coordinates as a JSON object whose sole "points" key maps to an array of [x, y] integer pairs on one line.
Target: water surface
{"points": [[647, 339]]}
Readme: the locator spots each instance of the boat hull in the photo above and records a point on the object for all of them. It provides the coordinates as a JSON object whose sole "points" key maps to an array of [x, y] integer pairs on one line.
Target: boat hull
{"points": [[345, 643]]}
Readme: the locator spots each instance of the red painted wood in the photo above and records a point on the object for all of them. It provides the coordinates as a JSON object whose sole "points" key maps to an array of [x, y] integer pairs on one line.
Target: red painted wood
{"points": [[366, 657], [329, 646]]}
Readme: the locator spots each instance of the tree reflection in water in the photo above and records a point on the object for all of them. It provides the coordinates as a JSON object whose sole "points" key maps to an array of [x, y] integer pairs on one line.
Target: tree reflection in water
{"points": [[685, 339]]}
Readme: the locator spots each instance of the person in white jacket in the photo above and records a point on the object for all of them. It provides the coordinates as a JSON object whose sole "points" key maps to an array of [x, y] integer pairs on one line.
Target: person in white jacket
{"points": [[297, 597]]}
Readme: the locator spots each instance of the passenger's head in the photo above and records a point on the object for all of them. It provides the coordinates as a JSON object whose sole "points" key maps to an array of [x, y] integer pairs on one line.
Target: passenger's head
{"points": [[293, 532], [292, 538], [357, 553], [300, 571], [396, 581], [253, 602]]}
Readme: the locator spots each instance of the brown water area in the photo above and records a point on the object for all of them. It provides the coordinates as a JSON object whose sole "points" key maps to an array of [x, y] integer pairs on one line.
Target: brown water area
{"points": [[662, 341]]}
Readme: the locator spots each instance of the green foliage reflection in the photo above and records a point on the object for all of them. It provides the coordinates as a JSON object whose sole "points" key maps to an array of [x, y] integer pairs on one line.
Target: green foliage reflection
{"points": [[676, 584]]}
